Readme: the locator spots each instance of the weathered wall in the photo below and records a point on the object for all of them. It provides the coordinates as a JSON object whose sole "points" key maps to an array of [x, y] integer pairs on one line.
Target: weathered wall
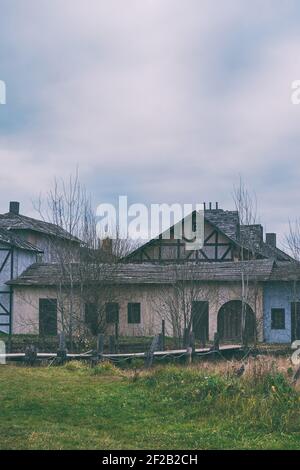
{"points": [[279, 295], [153, 306], [20, 260]]}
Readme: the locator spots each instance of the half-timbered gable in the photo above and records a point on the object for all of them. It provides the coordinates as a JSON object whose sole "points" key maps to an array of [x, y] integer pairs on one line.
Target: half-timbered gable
{"points": [[224, 240], [220, 242]]}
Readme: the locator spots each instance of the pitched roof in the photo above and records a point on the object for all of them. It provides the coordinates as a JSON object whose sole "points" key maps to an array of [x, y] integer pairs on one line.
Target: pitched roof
{"points": [[47, 274], [226, 221], [285, 271], [12, 221], [9, 238], [251, 237]]}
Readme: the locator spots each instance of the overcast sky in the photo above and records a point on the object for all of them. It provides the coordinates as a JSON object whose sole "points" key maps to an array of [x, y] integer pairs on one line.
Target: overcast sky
{"points": [[160, 100]]}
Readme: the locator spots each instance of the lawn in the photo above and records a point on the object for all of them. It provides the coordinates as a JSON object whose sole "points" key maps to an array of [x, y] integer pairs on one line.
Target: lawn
{"points": [[202, 407]]}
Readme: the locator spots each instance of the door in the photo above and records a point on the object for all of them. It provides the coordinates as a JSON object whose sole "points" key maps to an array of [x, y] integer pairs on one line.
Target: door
{"points": [[200, 320], [48, 317], [295, 320]]}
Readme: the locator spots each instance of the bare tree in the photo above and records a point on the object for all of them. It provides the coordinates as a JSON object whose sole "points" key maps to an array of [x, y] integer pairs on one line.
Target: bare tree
{"points": [[292, 239], [177, 299], [249, 239], [87, 263], [292, 243]]}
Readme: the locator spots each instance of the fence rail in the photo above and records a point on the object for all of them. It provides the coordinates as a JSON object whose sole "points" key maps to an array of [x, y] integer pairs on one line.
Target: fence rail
{"points": [[91, 354]]}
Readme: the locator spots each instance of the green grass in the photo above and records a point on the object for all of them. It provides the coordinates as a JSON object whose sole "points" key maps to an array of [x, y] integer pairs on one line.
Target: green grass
{"points": [[75, 407]]}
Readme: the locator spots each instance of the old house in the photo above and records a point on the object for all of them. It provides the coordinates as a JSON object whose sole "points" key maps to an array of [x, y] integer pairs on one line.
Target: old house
{"points": [[23, 242], [16, 255], [231, 286], [47, 237]]}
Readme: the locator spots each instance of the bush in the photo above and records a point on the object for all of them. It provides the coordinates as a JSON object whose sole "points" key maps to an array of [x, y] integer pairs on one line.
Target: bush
{"points": [[105, 368], [75, 366]]}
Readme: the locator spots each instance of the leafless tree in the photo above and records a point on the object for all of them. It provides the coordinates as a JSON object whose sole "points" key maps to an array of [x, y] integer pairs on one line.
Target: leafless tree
{"points": [[292, 244], [175, 300], [292, 239], [87, 263], [249, 239]]}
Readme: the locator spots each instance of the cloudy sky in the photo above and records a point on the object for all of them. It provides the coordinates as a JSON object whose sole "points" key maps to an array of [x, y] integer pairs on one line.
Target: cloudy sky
{"points": [[161, 100]]}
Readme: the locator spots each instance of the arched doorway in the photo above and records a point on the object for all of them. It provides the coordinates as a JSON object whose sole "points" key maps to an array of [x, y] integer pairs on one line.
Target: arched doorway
{"points": [[230, 321]]}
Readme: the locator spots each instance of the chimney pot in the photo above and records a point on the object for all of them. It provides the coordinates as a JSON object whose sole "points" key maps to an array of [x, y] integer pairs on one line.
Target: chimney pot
{"points": [[210, 206], [271, 239], [14, 207], [217, 205]]}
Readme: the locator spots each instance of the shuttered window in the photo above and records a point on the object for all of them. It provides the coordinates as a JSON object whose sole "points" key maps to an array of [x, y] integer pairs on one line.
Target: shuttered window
{"points": [[134, 312], [48, 317]]}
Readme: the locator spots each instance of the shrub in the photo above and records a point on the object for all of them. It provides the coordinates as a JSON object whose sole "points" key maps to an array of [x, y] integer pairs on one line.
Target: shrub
{"points": [[74, 366], [105, 368]]}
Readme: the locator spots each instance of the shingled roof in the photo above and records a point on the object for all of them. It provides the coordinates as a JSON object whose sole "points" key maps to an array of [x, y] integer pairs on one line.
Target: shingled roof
{"points": [[226, 221], [48, 274], [286, 271], [9, 238], [251, 238], [12, 221], [248, 237]]}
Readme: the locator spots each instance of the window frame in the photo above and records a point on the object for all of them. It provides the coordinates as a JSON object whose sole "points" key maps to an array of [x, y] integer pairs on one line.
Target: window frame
{"points": [[131, 313], [277, 324], [45, 321]]}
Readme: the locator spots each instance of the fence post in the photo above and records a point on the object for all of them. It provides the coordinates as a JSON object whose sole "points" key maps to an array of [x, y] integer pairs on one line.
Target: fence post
{"points": [[189, 353], [30, 355], [62, 350], [163, 335], [216, 345], [112, 344], [149, 355], [117, 337], [186, 338], [100, 346], [192, 342], [160, 345]]}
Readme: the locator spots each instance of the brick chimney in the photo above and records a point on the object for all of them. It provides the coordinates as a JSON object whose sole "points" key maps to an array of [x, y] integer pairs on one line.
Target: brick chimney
{"points": [[14, 207], [271, 239]]}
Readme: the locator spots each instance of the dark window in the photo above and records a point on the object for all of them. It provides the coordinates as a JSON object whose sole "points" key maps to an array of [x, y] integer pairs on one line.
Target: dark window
{"points": [[91, 317], [134, 312], [200, 319], [278, 319], [112, 312], [48, 317]]}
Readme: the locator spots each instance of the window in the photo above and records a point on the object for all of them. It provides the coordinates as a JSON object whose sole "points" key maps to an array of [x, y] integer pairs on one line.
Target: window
{"points": [[200, 319], [91, 317], [48, 317], [134, 313], [278, 319], [112, 312]]}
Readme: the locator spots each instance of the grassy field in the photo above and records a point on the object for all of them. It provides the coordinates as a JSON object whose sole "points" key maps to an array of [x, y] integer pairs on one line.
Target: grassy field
{"points": [[202, 407]]}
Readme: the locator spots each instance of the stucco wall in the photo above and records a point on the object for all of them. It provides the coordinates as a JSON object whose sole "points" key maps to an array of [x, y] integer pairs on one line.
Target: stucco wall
{"points": [[152, 299], [21, 260], [279, 295]]}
